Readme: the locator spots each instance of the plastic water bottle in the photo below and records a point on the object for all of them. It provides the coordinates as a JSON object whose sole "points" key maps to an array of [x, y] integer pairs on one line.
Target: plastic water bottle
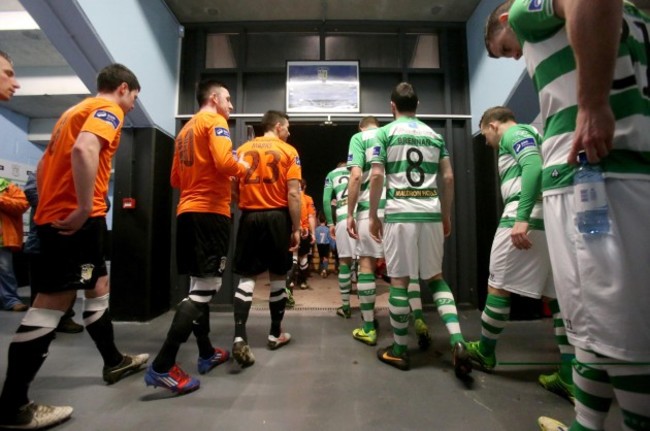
{"points": [[590, 199]]}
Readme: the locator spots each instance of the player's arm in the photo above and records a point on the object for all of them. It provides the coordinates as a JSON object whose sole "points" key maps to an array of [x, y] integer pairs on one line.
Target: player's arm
{"points": [[594, 30], [293, 199], [312, 227], [327, 202], [447, 195], [376, 187], [85, 161], [354, 187], [221, 149], [531, 186]]}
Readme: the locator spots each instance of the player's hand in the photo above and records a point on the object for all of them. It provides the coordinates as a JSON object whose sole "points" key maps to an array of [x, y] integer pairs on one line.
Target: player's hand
{"points": [[376, 229], [446, 226], [352, 228], [295, 240], [519, 236], [333, 232], [594, 134], [73, 222], [313, 238]]}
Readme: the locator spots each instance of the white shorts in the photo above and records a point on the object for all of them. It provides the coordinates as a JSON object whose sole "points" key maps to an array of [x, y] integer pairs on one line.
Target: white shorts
{"points": [[366, 246], [525, 272], [414, 250], [346, 246], [603, 284]]}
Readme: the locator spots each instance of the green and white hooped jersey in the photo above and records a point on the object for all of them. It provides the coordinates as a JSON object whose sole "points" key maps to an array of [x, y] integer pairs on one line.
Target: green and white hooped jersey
{"points": [[517, 143], [410, 152], [551, 65], [336, 187], [359, 154]]}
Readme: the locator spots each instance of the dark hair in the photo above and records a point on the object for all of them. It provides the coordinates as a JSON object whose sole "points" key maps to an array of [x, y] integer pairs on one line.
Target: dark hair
{"points": [[113, 75], [368, 121], [271, 118], [497, 113], [321, 217], [404, 97], [493, 25], [205, 89], [6, 57]]}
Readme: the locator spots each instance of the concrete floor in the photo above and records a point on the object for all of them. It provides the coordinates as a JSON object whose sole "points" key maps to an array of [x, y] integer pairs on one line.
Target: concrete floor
{"points": [[322, 380], [322, 294]]}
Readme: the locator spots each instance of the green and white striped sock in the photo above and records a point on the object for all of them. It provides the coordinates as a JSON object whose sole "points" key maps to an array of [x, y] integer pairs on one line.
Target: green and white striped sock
{"points": [[446, 305], [367, 294], [494, 318], [398, 306], [415, 298], [597, 379], [593, 392], [567, 352]]}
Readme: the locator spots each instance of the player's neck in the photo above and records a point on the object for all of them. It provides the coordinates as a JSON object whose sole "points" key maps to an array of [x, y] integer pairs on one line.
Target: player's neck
{"points": [[399, 115], [271, 134], [208, 108]]}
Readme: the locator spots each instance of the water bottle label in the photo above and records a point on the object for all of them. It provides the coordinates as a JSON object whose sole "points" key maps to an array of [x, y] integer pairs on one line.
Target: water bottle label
{"points": [[589, 196]]}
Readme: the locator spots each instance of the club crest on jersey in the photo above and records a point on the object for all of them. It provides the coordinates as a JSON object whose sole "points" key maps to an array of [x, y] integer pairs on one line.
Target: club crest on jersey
{"points": [[350, 157], [298, 161], [220, 132], [109, 117], [523, 144], [86, 271], [535, 5], [376, 150]]}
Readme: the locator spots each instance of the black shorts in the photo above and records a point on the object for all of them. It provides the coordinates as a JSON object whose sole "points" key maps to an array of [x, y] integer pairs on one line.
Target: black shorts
{"points": [[69, 262], [323, 251], [263, 241], [305, 246], [202, 244]]}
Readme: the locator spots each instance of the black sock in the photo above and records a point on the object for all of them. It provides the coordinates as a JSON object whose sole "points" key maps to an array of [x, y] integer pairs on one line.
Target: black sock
{"points": [[178, 333], [201, 329], [277, 311], [242, 309], [25, 359], [101, 331]]}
